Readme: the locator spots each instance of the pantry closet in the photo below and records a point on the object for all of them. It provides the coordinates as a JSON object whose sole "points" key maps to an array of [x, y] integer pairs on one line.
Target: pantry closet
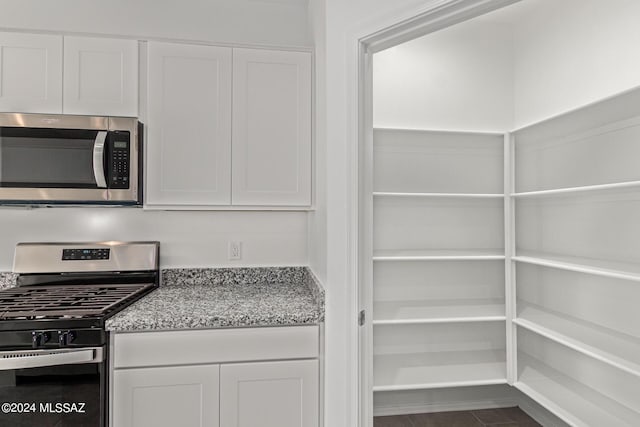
{"points": [[504, 238]]}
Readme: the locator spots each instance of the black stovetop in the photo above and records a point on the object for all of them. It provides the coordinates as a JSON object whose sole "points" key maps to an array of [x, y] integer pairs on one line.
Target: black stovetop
{"points": [[66, 302]]}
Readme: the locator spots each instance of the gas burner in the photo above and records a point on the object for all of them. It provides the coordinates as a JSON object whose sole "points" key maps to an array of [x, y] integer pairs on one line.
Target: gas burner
{"points": [[63, 302]]}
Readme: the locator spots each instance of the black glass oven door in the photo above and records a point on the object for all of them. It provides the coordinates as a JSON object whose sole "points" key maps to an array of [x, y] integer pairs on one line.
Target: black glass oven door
{"points": [[51, 158], [53, 388]]}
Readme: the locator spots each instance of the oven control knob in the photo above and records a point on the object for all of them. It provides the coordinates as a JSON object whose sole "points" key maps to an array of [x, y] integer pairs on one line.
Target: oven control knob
{"points": [[38, 339], [65, 338]]}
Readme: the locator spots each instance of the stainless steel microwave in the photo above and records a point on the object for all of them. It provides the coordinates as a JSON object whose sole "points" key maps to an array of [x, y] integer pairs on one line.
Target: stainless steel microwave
{"points": [[63, 159]]}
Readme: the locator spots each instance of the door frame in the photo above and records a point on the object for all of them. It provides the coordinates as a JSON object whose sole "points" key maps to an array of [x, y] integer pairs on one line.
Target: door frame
{"points": [[362, 44]]}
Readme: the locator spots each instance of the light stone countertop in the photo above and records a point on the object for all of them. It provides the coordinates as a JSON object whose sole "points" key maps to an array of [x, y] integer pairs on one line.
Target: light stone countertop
{"points": [[226, 297], [7, 280]]}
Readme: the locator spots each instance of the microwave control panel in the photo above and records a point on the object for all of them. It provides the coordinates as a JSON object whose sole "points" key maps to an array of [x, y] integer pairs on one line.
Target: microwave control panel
{"points": [[120, 160]]}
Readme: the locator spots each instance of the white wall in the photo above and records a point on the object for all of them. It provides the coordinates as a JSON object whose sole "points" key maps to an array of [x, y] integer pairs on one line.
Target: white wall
{"points": [[573, 52], [318, 218], [460, 78], [188, 239], [256, 22], [516, 66], [344, 22]]}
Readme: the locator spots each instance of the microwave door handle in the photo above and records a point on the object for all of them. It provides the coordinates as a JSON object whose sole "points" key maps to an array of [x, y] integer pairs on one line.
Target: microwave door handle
{"points": [[45, 358], [98, 159]]}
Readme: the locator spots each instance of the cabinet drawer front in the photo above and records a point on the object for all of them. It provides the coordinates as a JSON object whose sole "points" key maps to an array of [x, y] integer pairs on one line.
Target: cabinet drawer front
{"points": [[214, 346]]}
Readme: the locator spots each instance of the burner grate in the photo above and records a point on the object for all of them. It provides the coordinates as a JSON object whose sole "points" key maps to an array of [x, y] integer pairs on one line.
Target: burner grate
{"points": [[44, 301]]}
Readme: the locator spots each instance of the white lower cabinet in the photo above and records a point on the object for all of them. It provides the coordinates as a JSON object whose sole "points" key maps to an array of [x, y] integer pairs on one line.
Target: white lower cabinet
{"points": [[193, 378], [270, 394], [186, 396]]}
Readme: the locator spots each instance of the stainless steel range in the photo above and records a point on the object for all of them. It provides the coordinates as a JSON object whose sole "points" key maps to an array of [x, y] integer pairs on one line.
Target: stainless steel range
{"points": [[53, 345]]}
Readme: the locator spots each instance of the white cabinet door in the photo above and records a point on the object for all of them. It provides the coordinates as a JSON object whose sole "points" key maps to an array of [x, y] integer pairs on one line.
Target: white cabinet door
{"points": [[185, 396], [30, 73], [100, 76], [269, 394], [271, 128], [189, 125]]}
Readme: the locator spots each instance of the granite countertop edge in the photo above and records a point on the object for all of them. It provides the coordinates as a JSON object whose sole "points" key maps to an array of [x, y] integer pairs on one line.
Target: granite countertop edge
{"points": [[194, 298], [207, 298], [7, 280]]}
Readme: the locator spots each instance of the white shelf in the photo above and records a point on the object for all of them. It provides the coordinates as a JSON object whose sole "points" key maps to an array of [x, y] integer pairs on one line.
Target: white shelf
{"points": [[617, 350], [573, 190], [437, 162], [435, 255], [460, 195], [579, 149], [426, 336], [434, 224], [438, 311], [618, 270], [438, 370], [571, 401]]}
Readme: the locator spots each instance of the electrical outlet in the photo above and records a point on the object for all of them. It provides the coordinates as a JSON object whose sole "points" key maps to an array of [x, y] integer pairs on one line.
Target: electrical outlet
{"points": [[235, 250]]}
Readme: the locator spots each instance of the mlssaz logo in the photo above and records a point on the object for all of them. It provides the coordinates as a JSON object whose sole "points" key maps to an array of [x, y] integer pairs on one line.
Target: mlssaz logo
{"points": [[62, 407]]}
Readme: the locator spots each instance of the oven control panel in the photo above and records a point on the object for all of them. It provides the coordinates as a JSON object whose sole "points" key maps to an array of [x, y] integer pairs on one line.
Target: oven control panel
{"points": [[85, 254], [52, 338], [39, 339], [65, 338]]}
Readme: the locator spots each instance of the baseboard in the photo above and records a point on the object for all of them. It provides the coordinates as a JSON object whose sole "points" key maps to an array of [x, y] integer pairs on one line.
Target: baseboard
{"points": [[464, 399], [444, 407], [539, 413]]}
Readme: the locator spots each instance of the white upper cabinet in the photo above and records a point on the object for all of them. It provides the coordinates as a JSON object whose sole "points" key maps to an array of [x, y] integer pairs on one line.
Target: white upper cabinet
{"points": [[30, 73], [94, 76], [100, 76], [189, 125], [271, 128], [228, 127]]}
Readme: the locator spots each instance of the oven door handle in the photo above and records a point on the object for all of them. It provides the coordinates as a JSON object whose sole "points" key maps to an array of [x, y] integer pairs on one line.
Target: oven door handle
{"points": [[98, 160], [10, 360]]}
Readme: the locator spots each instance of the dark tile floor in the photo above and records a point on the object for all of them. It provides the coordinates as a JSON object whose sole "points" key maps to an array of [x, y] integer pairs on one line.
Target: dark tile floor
{"points": [[503, 417]]}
